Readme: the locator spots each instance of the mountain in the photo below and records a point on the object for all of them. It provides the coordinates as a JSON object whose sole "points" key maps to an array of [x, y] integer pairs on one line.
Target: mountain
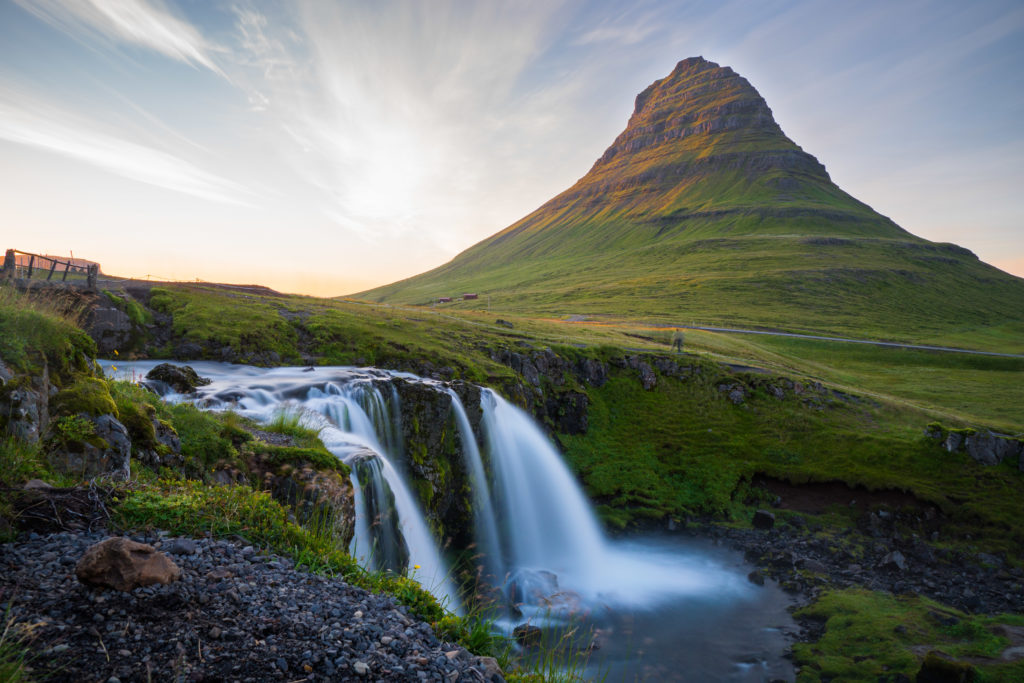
{"points": [[703, 210]]}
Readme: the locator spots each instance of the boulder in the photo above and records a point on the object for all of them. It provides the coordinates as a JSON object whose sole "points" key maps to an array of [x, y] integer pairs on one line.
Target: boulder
{"points": [[489, 669], [984, 447], [527, 635], [26, 412], [593, 372], [763, 520], [181, 378], [894, 560], [567, 411], [938, 667], [123, 564], [110, 327], [107, 452], [990, 449]]}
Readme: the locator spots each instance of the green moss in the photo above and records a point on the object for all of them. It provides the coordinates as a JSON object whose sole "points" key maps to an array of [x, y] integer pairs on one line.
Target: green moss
{"points": [[319, 458], [251, 327], [132, 308], [38, 332], [87, 396], [868, 632], [138, 419], [204, 439]]}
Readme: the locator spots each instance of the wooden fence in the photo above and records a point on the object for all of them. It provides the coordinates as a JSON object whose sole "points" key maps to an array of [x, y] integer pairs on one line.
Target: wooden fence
{"points": [[24, 264]]}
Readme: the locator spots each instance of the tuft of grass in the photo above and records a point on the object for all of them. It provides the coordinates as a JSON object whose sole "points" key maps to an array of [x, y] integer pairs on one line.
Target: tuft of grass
{"points": [[13, 652], [19, 462], [288, 421], [38, 330]]}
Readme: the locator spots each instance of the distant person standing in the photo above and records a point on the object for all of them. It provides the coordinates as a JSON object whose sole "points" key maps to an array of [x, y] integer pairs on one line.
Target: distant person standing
{"points": [[677, 341]]}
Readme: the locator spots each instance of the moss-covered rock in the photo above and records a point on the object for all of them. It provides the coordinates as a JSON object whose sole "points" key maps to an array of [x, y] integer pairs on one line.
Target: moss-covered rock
{"points": [[89, 447], [318, 490], [181, 378], [432, 447], [87, 396]]}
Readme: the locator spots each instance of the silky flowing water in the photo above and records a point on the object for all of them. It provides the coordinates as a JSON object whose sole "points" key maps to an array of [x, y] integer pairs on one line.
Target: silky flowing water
{"points": [[655, 607]]}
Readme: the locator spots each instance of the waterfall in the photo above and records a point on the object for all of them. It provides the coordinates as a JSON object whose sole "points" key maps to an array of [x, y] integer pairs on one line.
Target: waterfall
{"points": [[538, 534], [558, 558], [360, 426], [379, 533], [484, 517], [542, 546], [549, 522]]}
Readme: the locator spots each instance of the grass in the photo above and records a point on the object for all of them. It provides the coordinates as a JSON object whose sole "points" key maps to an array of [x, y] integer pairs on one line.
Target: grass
{"points": [[35, 328], [685, 448], [248, 325], [869, 632], [14, 653], [190, 508]]}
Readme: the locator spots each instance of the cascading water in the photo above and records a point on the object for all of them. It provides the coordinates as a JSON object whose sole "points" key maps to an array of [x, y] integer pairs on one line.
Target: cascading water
{"points": [[485, 518], [555, 545], [540, 539], [380, 535], [358, 424]]}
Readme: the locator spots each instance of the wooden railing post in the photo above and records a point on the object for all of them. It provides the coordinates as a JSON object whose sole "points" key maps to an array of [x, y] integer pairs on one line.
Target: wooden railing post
{"points": [[10, 264], [31, 262], [93, 273]]}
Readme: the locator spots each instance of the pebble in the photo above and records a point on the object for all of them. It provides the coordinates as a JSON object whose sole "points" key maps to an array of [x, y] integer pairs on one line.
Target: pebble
{"points": [[250, 623]]}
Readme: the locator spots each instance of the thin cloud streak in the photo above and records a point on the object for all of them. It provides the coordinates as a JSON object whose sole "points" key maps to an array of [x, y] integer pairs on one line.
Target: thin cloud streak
{"points": [[29, 121], [145, 23]]}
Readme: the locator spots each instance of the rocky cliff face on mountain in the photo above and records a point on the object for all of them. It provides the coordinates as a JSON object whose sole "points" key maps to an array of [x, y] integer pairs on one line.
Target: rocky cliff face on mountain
{"points": [[698, 125], [703, 209]]}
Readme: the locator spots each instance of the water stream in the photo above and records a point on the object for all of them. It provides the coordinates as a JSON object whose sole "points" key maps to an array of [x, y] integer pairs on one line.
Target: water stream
{"points": [[655, 608]]}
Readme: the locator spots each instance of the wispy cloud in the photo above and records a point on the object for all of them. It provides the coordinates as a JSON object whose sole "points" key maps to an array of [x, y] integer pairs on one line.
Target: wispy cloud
{"points": [[28, 120], [386, 108], [623, 30], [144, 23]]}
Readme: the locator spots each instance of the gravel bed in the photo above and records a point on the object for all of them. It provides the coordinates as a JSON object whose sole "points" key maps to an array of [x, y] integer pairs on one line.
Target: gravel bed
{"points": [[237, 614]]}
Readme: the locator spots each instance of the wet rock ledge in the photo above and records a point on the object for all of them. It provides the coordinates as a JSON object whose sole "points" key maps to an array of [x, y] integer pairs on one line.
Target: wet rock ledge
{"points": [[235, 614]]}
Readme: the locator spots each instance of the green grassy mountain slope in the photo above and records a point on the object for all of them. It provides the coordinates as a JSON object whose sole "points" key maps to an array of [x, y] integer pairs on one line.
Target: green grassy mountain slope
{"points": [[703, 210]]}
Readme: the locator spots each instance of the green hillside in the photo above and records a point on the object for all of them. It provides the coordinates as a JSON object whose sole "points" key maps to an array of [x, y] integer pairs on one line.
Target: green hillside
{"points": [[703, 210]]}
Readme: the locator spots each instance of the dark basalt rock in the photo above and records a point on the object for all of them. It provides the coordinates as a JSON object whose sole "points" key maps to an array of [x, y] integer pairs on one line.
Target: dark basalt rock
{"points": [[181, 378], [763, 520], [938, 667]]}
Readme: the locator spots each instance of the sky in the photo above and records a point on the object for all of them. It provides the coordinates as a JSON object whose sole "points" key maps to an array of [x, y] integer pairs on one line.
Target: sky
{"points": [[326, 147]]}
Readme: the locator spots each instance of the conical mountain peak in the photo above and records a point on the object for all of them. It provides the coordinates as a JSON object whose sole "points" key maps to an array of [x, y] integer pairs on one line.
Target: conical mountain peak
{"points": [[698, 98], [703, 208]]}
